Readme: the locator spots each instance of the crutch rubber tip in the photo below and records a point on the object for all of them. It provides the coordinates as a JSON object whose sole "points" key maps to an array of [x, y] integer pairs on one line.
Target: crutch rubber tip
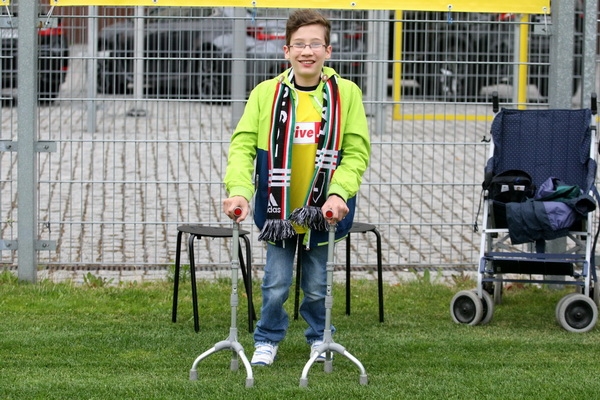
{"points": [[303, 382], [249, 382], [363, 380], [193, 375]]}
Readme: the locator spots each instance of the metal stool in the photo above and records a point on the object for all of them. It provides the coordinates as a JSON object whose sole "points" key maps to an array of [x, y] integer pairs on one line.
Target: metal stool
{"points": [[357, 227], [199, 231]]}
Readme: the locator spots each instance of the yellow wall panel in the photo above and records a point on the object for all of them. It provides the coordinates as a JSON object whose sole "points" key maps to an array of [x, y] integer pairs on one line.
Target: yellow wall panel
{"points": [[515, 6]]}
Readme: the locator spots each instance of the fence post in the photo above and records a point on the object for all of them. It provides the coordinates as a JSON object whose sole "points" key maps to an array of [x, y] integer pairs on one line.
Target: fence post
{"points": [[590, 35], [377, 89], [138, 64], [27, 136], [238, 66], [560, 80], [92, 67]]}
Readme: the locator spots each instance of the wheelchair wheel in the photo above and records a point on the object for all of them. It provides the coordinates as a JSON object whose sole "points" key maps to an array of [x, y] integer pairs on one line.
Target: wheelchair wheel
{"points": [[578, 313], [488, 308], [466, 308], [560, 303]]}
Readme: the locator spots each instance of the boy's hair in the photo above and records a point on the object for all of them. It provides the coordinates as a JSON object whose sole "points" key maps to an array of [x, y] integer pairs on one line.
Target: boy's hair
{"points": [[303, 17]]}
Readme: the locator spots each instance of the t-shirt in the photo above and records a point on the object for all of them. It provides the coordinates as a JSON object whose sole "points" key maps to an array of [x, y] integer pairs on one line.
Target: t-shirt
{"points": [[304, 148]]}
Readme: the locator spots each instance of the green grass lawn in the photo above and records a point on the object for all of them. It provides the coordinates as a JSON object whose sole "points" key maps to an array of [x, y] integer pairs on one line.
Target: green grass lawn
{"points": [[61, 341]]}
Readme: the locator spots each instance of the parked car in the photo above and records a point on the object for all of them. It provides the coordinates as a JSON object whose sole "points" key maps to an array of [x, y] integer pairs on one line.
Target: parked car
{"points": [[466, 56], [53, 50], [188, 51]]}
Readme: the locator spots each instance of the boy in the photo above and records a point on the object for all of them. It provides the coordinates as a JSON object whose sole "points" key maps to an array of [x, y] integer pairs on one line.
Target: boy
{"points": [[306, 132]]}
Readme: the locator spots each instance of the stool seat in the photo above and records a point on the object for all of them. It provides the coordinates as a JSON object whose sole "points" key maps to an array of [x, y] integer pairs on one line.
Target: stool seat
{"points": [[362, 227], [209, 231], [197, 231]]}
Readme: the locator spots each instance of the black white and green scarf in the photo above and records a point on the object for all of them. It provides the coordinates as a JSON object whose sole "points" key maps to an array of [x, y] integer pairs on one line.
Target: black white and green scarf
{"points": [[278, 225]]}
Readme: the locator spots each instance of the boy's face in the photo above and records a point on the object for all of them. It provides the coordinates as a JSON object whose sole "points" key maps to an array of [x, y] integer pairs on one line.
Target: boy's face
{"points": [[307, 62]]}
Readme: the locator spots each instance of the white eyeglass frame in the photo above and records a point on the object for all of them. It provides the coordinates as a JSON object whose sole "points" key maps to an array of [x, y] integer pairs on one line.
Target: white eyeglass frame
{"points": [[313, 46]]}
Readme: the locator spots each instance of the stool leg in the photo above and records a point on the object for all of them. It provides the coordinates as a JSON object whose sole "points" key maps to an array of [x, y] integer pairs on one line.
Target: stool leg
{"points": [[193, 282], [176, 277], [379, 274], [249, 291], [247, 278], [348, 274], [298, 275]]}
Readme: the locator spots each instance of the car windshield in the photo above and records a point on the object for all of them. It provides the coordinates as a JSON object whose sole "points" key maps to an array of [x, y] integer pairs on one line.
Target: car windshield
{"points": [[13, 8]]}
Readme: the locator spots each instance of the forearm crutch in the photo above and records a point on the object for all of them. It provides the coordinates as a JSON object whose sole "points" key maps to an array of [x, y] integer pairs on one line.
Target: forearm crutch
{"points": [[329, 345], [231, 342]]}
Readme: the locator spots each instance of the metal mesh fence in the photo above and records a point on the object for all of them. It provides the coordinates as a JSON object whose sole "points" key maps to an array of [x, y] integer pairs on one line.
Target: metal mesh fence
{"points": [[142, 130]]}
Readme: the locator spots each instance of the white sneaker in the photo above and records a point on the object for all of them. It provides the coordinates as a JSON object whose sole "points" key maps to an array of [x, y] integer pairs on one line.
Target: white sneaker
{"points": [[264, 354], [313, 349]]}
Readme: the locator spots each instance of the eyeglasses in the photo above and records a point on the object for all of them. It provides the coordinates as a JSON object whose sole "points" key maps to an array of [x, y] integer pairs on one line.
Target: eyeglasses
{"points": [[302, 46]]}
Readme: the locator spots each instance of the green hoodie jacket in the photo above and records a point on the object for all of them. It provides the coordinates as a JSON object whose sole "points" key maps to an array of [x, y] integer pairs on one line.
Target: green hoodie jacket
{"points": [[247, 165]]}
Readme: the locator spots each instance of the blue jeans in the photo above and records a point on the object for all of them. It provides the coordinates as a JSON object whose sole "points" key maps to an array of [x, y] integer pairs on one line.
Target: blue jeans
{"points": [[279, 269]]}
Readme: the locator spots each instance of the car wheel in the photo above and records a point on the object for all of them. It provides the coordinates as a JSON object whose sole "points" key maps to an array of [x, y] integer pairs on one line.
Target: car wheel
{"points": [[450, 77], [108, 80], [104, 84], [48, 90], [209, 74]]}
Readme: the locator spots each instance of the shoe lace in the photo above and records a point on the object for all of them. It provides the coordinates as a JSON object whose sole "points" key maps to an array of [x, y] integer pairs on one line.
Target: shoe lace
{"points": [[266, 350]]}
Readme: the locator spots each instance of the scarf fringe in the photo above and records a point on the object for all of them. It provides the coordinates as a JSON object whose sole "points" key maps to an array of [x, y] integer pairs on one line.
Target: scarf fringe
{"points": [[276, 229], [309, 217]]}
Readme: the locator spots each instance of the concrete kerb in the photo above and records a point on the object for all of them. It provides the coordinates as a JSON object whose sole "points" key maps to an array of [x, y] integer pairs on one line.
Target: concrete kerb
{"points": [[116, 276]]}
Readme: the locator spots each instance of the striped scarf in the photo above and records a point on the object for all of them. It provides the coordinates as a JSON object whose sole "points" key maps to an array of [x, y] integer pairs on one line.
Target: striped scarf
{"points": [[279, 223]]}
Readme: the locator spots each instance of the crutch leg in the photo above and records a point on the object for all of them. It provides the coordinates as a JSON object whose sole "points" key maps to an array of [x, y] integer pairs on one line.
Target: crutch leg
{"points": [[231, 343], [329, 346]]}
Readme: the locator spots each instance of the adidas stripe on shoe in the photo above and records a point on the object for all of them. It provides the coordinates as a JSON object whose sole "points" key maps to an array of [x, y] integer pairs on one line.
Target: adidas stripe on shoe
{"points": [[264, 354]]}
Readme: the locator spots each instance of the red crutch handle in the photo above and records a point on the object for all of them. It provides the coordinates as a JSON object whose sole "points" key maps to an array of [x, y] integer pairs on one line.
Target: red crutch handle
{"points": [[237, 211], [329, 213]]}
